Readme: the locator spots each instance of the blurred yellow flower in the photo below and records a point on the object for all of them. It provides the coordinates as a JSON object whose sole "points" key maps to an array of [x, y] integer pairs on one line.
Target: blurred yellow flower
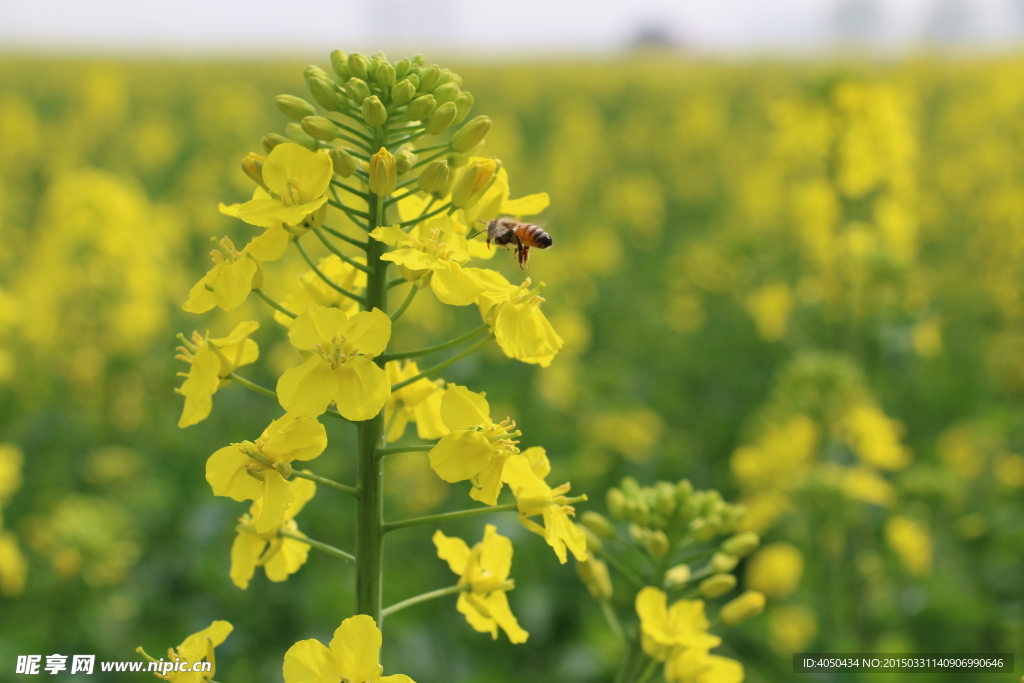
{"points": [[791, 628], [484, 572], [771, 307], [912, 543], [875, 438], [775, 570], [13, 565], [664, 630], [354, 655], [11, 460]]}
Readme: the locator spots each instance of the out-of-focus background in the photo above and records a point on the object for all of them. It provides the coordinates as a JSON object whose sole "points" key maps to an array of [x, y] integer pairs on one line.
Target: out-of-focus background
{"points": [[789, 265]]}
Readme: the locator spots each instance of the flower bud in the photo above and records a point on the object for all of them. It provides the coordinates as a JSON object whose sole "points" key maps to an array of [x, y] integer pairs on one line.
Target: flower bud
{"points": [[272, 140], [631, 487], [404, 160], [476, 180], [385, 75], [356, 89], [598, 523], [463, 103], [429, 78], [402, 68], [742, 544], [721, 563], [615, 501], [374, 113], [320, 127], [665, 499], [358, 66], [294, 107], [295, 133], [594, 543], [446, 189], [442, 117], [339, 60], [638, 534], [470, 135], [718, 585], [434, 176], [446, 93], [657, 544], [383, 173], [594, 574], [402, 91], [677, 576], [418, 59], [252, 164], [312, 71], [324, 93], [376, 62], [344, 163], [743, 608], [422, 107]]}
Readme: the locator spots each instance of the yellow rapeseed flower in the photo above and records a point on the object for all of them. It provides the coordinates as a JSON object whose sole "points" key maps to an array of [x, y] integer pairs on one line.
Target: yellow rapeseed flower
{"points": [[353, 655], [296, 180], [339, 364], [418, 257], [234, 274], [514, 315], [260, 471], [419, 402], [196, 648], [664, 630], [912, 543], [484, 572], [209, 365], [775, 570]]}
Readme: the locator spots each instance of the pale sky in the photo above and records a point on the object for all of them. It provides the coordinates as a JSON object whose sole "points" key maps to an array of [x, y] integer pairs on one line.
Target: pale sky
{"points": [[515, 30]]}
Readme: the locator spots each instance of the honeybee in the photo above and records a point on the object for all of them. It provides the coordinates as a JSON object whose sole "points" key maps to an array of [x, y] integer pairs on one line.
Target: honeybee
{"points": [[506, 231]]}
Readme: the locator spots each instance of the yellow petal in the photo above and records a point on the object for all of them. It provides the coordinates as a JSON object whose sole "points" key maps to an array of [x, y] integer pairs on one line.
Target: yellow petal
{"points": [[200, 297], [240, 332], [270, 245], [411, 206], [194, 647], [200, 385], [303, 491], [489, 482], [264, 213], [391, 235], [529, 205], [476, 614], [460, 456], [429, 425], [295, 214], [308, 388], [362, 389], [356, 648], [245, 553], [228, 210], [226, 472], [462, 408], [538, 459], [413, 259], [288, 559], [525, 334], [652, 608], [395, 678], [368, 331], [453, 286], [497, 605], [318, 325], [496, 553], [560, 533], [302, 438], [309, 661], [289, 162], [452, 550], [277, 495], [234, 283]]}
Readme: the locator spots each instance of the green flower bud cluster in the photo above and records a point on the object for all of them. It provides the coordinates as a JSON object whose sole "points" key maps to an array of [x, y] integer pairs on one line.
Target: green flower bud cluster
{"points": [[674, 508], [391, 104]]}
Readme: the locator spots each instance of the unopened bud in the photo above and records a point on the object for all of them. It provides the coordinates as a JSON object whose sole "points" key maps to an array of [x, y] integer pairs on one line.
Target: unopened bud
{"points": [[718, 585], [598, 523], [721, 563], [594, 543], [418, 59], [470, 135], [677, 576], [630, 486], [684, 489], [594, 574], [446, 93], [413, 78], [657, 544], [294, 107], [272, 140], [344, 163], [701, 530], [442, 117], [463, 103], [295, 133], [320, 127], [743, 608], [434, 176], [638, 534], [385, 75], [324, 93], [312, 71], [358, 66], [665, 499], [615, 501], [475, 181], [742, 544], [252, 164], [404, 160], [402, 91], [376, 62], [357, 90], [383, 173], [339, 60], [420, 108], [402, 67], [374, 113], [429, 78]]}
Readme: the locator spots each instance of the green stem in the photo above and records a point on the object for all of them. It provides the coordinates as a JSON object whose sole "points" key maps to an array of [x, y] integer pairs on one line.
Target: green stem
{"points": [[632, 660], [439, 593], [612, 618], [421, 162], [446, 516], [648, 671], [411, 448], [624, 570], [273, 304], [345, 238], [334, 285], [329, 549], [350, 490], [431, 148], [444, 364], [408, 138], [354, 131], [405, 304], [340, 254], [395, 281], [352, 214], [343, 186], [426, 351]]}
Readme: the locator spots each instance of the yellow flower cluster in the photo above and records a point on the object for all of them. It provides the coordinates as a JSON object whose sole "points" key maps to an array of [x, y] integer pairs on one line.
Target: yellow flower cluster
{"points": [[13, 566]]}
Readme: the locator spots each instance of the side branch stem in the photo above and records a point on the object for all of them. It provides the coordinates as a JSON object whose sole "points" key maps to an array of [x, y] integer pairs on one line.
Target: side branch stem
{"points": [[426, 351], [444, 364], [350, 490], [446, 516], [329, 549], [331, 283]]}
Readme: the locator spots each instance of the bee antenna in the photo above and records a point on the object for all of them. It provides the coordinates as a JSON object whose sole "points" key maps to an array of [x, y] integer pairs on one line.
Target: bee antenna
{"points": [[476, 233]]}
